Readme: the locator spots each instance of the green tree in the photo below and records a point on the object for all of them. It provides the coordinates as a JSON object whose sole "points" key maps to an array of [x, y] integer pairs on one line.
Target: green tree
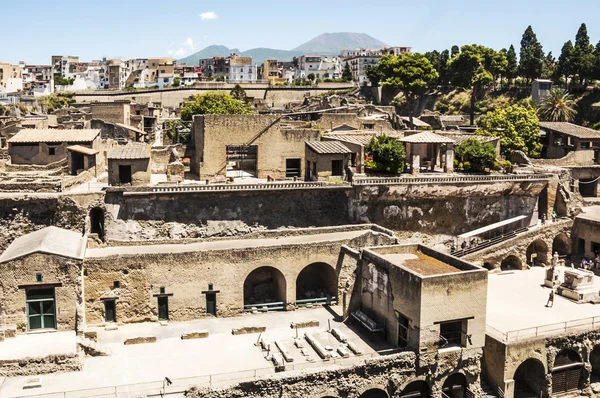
{"points": [[565, 61], [597, 62], [374, 75], [549, 67], [455, 50], [388, 154], [468, 70], [62, 81], [176, 82], [583, 56], [443, 72], [311, 77], [558, 106], [214, 103], [498, 65], [56, 101], [512, 67], [239, 93], [412, 73], [532, 56], [481, 155], [518, 128], [347, 73]]}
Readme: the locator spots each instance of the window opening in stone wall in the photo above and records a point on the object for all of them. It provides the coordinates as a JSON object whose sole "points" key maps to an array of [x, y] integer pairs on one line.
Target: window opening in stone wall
{"points": [[241, 161], [292, 167], [451, 334]]}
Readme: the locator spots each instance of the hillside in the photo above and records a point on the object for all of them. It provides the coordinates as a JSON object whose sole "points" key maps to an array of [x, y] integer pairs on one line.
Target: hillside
{"points": [[327, 43], [333, 43]]}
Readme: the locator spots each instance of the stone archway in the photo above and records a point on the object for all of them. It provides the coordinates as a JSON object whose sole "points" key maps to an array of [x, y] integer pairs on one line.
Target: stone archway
{"points": [[455, 386], [511, 263], [537, 253], [595, 362], [567, 372], [416, 389], [488, 266], [264, 285], [317, 282], [530, 378], [374, 393], [561, 244]]}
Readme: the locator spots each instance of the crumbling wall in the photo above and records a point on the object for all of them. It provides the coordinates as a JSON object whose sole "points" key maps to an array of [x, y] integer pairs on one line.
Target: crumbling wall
{"points": [[40, 366]]}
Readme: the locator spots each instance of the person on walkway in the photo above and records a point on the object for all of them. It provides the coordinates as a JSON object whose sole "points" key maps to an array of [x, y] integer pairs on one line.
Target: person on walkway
{"points": [[550, 302], [544, 219], [463, 245], [554, 216]]}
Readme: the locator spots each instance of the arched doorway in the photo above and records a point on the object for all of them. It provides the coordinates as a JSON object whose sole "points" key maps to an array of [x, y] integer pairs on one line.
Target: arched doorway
{"points": [[97, 222], [530, 379], [488, 266], [317, 283], [416, 389], [537, 253], [595, 361], [455, 386], [265, 287], [567, 372], [561, 244], [374, 393], [511, 263]]}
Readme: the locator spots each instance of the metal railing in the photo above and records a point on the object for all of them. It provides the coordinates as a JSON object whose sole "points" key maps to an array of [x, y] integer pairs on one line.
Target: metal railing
{"points": [[579, 325], [265, 307], [230, 187], [317, 301], [449, 179], [180, 386]]}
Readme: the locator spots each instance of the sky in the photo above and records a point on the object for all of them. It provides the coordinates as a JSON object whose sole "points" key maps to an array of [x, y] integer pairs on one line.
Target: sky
{"points": [[151, 28]]}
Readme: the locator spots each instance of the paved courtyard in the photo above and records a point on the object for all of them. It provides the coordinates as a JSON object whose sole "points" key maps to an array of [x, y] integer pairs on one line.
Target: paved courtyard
{"points": [[517, 299], [220, 359]]}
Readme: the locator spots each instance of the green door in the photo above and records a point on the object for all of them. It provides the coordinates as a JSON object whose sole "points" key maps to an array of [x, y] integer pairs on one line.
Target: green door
{"points": [[211, 304], [41, 309], [163, 308], [110, 313]]}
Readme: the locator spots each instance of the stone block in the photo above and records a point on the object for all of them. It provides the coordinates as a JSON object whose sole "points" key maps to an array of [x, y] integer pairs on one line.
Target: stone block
{"points": [[201, 334], [10, 332], [112, 326], [140, 340], [248, 330], [305, 324], [91, 336]]}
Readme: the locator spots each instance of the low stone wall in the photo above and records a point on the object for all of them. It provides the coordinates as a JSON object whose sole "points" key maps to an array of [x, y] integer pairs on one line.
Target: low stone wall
{"points": [[575, 158], [69, 182], [40, 366]]}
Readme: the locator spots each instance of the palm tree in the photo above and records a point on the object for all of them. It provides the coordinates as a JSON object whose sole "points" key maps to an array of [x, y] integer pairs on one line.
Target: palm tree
{"points": [[558, 106]]}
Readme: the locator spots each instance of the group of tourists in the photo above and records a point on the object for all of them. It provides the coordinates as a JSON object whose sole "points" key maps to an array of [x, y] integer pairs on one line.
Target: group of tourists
{"points": [[465, 245], [589, 264]]}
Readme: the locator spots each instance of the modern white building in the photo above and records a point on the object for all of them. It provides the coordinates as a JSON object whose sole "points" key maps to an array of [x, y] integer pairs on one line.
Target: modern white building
{"points": [[241, 69], [322, 66]]}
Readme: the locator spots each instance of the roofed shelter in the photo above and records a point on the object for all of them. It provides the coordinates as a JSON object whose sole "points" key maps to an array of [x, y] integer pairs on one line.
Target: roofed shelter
{"points": [[129, 164], [326, 159], [560, 138], [46, 146], [41, 276], [428, 150]]}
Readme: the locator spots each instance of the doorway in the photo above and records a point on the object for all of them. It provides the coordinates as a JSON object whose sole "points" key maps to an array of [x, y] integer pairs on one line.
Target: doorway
{"points": [[163, 308], [125, 174], [77, 162], [110, 313], [41, 309], [211, 304], [97, 222], [337, 168]]}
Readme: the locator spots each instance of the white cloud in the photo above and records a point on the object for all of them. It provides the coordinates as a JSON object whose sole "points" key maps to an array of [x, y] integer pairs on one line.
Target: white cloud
{"points": [[208, 15], [184, 49]]}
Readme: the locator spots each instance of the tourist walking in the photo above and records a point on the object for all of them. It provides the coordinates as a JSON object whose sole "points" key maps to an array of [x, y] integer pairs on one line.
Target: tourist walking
{"points": [[550, 302]]}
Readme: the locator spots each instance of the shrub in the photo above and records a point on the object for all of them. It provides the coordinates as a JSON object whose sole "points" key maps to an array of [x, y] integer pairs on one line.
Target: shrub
{"points": [[478, 155], [388, 154], [466, 165]]}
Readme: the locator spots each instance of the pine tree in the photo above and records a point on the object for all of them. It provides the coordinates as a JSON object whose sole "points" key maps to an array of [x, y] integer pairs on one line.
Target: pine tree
{"points": [[596, 74], [454, 51], [513, 64], [583, 55], [347, 73], [532, 56], [565, 63], [549, 67], [444, 75]]}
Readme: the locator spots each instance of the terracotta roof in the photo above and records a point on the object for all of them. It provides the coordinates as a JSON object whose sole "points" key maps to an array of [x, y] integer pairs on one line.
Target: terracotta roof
{"points": [[83, 149], [134, 150], [416, 121], [328, 147], [54, 135], [50, 240], [359, 139], [571, 129], [426, 137]]}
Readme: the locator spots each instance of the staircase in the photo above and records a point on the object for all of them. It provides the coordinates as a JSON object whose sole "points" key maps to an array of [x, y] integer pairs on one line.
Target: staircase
{"points": [[488, 243], [488, 391]]}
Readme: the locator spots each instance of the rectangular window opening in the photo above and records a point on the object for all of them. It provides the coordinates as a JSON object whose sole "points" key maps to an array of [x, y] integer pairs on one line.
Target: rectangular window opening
{"points": [[452, 334]]}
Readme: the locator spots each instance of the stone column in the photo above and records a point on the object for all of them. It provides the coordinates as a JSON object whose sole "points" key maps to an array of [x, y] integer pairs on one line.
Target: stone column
{"points": [[415, 164], [449, 162]]}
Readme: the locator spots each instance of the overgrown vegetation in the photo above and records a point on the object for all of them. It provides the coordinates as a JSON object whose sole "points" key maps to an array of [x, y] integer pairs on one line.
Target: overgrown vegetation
{"points": [[214, 103], [54, 102], [62, 81], [476, 155], [385, 154]]}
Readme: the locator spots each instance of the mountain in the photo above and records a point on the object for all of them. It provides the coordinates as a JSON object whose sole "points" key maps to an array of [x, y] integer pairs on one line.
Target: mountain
{"points": [[327, 43], [333, 43]]}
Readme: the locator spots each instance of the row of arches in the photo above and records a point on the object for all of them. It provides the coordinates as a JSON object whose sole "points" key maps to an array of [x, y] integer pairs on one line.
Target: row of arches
{"points": [[536, 254], [455, 386], [268, 284], [568, 374]]}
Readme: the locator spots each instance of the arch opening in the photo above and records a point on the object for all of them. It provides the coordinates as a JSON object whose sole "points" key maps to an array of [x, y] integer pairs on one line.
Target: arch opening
{"points": [[561, 244], [316, 283], [511, 263], [595, 361], [416, 389], [455, 386], [537, 253], [374, 393], [530, 378], [97, 222], [488, 266], [567, 373], [265, 287]]}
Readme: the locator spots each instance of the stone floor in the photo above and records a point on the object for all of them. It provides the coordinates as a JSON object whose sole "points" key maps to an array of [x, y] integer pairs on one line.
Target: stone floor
{"points": [[38, 345], [517, 301], [221, 358]]}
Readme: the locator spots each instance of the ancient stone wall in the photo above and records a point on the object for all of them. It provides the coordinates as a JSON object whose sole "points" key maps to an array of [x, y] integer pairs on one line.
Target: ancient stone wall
{"points": [[40, 366], [117, 112]]}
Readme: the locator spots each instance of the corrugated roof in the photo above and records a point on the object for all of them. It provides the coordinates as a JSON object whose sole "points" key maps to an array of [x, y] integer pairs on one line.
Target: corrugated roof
{"points": [[571, 129], [83, 149], [54, 135], [460, 138], [50, 240], [328, 147], [426, 137], [134, 150]]}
